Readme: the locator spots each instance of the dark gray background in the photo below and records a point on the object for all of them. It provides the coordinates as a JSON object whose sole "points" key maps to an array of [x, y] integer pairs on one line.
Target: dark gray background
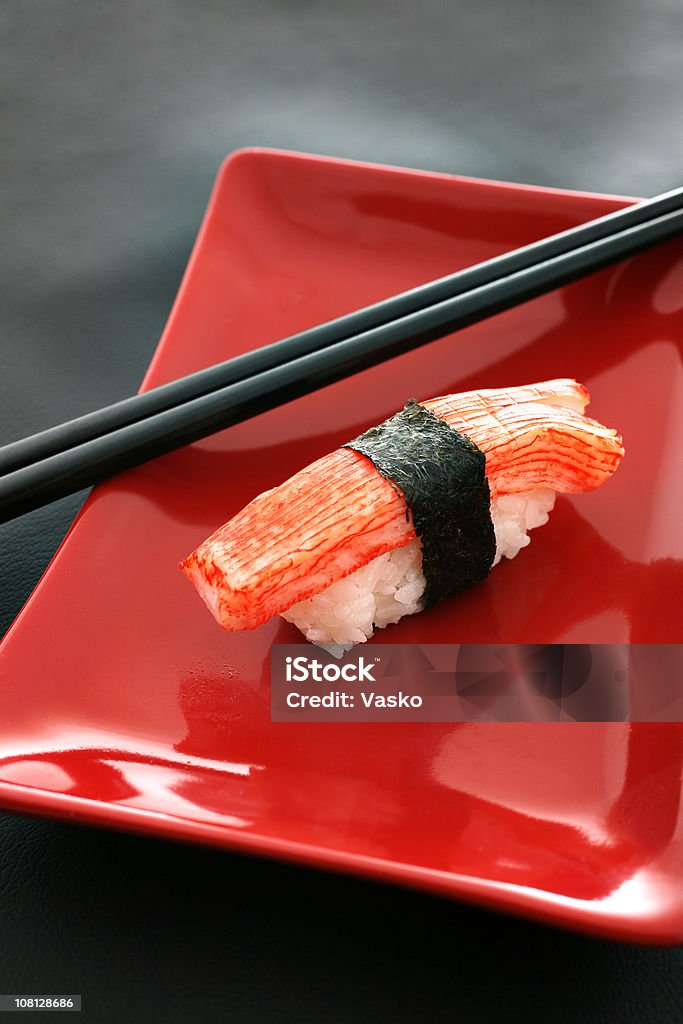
{"points": [[115, 119]]}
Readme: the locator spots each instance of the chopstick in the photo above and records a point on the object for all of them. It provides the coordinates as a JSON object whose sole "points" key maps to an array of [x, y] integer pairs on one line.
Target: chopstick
{"points": [[286, 370], [130, 410]]}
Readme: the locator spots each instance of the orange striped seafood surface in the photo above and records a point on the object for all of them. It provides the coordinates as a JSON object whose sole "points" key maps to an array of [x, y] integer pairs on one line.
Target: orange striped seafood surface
{"points": [[339, 513]]}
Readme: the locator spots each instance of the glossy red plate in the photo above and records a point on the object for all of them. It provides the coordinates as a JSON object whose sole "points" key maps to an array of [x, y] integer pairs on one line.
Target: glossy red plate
{"points": [[123, 704]]}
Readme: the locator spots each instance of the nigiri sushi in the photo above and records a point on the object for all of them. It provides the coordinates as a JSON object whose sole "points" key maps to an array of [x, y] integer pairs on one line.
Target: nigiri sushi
{"points": [[409, 513]]}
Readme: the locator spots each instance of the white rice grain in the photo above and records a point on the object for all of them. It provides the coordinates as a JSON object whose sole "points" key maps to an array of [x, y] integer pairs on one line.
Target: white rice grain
{"points": [[392, 585]]}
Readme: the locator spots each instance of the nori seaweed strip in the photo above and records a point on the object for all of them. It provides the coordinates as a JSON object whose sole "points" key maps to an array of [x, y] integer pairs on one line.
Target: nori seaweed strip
{"points": [[442, 475]]}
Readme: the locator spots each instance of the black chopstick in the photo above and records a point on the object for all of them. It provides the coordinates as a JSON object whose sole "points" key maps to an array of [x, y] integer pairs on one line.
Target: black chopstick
{"points": [[67, 471], [113, 417]]}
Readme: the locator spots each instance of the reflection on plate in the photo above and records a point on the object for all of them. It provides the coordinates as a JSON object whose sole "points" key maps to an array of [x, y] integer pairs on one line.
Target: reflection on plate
{"points": [[123, 704]]}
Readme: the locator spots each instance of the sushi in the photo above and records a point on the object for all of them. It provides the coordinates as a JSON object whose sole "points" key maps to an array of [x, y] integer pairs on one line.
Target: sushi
{"points": [[407, 514]]}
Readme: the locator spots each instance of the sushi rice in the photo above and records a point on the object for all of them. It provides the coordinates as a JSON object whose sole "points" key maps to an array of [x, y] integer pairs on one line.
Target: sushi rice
{"points": [[391, 585]]}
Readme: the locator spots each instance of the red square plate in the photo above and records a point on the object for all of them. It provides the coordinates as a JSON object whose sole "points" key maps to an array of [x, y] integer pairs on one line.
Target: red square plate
{"points": [[123, 704]]}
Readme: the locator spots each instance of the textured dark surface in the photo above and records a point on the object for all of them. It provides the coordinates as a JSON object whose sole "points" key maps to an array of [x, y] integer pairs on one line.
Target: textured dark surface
{"points": [[442, 476], [115, 119]]}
